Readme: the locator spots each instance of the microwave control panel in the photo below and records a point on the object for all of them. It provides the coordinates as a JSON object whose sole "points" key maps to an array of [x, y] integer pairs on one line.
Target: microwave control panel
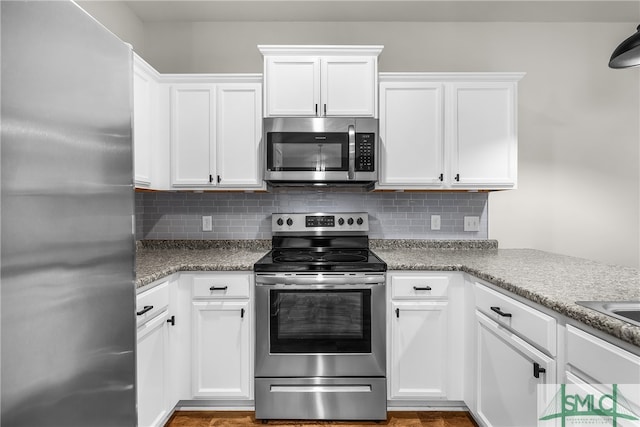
{"points": [[365, 148]]}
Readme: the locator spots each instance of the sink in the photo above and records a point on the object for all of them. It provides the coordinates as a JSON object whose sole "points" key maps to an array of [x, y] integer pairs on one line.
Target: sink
{"points": [[629, 311]]}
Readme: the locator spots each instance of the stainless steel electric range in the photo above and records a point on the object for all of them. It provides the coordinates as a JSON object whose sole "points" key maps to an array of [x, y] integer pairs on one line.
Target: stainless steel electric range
{"points": [[320, 321]]}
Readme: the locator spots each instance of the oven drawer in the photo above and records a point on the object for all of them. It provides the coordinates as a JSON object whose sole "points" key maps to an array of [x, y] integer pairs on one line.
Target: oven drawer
{"points": [[313, 398], [222, 285], [419, 286]]}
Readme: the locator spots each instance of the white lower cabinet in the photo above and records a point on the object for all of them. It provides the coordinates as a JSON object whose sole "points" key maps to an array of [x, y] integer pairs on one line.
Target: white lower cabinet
{"points": [[593, 366], [508, 373], [425, 345], [418, 350], [221, 349], [222, 328], [153, 356]]}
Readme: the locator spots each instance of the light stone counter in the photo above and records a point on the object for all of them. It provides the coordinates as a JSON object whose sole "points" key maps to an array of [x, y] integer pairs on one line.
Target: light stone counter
{"points": [[551, 280]]}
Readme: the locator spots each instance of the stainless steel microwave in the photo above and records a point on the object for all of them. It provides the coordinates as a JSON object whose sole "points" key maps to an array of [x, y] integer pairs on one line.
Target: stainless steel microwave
{"points": [[321, 151]]}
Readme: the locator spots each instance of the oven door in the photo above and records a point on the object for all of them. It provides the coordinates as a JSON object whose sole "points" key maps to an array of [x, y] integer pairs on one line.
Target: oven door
{"points": [[320, 330]]}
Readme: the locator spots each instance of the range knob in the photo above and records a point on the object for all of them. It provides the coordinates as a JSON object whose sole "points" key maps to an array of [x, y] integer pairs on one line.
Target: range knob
{"points": [[341, 221], [359, 221], [350, 221], [289, 222], [279, 221]]}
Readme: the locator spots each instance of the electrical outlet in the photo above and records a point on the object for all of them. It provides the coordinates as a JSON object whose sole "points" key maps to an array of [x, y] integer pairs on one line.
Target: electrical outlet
{"points": [[471, 223], [435, 222], [207, 223]]}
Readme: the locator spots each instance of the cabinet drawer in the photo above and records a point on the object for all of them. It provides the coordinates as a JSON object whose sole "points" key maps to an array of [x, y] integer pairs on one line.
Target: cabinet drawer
{"points": [[602, 361], [150, 303], [419, 286], [533, 325], [222, 286]]}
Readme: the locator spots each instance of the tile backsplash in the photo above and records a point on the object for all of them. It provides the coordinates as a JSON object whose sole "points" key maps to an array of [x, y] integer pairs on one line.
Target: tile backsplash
{"points": [[392, 215]]}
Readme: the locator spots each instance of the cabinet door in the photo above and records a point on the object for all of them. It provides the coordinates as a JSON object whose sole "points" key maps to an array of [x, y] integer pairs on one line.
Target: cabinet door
{"points": [[222, 350], [507, 388], [411, 135], [192, 135], [418, 360], [348, 86], [152, 375], [292, 86], [238, 134], [483, 132], [143, 87]]}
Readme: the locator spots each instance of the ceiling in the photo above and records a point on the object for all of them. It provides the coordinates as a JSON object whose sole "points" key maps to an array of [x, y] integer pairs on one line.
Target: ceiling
{"points": [[387, 10]]}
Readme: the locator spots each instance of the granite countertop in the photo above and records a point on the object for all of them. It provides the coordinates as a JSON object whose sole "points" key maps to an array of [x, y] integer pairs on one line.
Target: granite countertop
{"points": [[158, 259], [551, 280]]}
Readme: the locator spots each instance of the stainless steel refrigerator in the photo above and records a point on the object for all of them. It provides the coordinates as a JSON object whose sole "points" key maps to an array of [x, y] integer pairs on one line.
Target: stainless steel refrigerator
{"points": [[67, 252]]}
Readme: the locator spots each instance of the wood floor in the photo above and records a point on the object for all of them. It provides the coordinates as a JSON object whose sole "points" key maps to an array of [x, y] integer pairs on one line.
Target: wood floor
{"points": [[394, 419]]}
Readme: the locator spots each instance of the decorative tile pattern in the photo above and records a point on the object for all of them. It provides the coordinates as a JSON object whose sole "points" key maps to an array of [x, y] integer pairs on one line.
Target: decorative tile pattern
{"points": [[392, 215]]}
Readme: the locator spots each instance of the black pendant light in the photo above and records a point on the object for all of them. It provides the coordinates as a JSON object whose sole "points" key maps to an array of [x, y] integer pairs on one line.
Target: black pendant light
{"points": [[628, 53]]}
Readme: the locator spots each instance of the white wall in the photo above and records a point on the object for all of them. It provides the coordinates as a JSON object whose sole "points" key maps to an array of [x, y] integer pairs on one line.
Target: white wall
{"points": [[119, 19], [579, 121]]}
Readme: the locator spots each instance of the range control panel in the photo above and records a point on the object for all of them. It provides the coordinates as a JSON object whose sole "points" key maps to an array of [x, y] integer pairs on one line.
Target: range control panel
{"points": [[305, 222]]}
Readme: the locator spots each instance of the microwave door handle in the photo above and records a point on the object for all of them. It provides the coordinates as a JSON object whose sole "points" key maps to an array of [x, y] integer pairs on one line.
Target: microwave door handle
{"points": [[352, 153]]}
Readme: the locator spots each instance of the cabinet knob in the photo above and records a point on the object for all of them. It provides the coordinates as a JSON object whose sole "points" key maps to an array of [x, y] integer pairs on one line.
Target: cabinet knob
{"points": [[398, 313], [441, 177], [537, 370], [172, 320], [242, 313], [457, 177]]}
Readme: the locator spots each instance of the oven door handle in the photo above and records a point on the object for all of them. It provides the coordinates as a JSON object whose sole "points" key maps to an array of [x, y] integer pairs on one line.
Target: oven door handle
{"points": [[352, 153], [337, 282]]}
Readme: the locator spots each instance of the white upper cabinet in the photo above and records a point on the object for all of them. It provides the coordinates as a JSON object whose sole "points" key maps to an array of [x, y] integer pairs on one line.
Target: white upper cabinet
{"points": [[293, 86], [216, 128], [411, 134], [238, 135], [448, 131], [192, 136], [348, 86], [316, 81], [145, 102], [484, 139]]}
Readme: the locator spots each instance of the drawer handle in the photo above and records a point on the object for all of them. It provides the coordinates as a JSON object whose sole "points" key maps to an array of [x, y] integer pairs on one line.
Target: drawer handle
{"points": [[426, 288], [218, 288], [500, 312], [144, 310], [537, 370]]}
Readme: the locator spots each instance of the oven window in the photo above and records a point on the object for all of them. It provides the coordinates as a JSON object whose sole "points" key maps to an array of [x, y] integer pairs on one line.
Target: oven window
{"points": [[307, 152], [320, 321]]}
